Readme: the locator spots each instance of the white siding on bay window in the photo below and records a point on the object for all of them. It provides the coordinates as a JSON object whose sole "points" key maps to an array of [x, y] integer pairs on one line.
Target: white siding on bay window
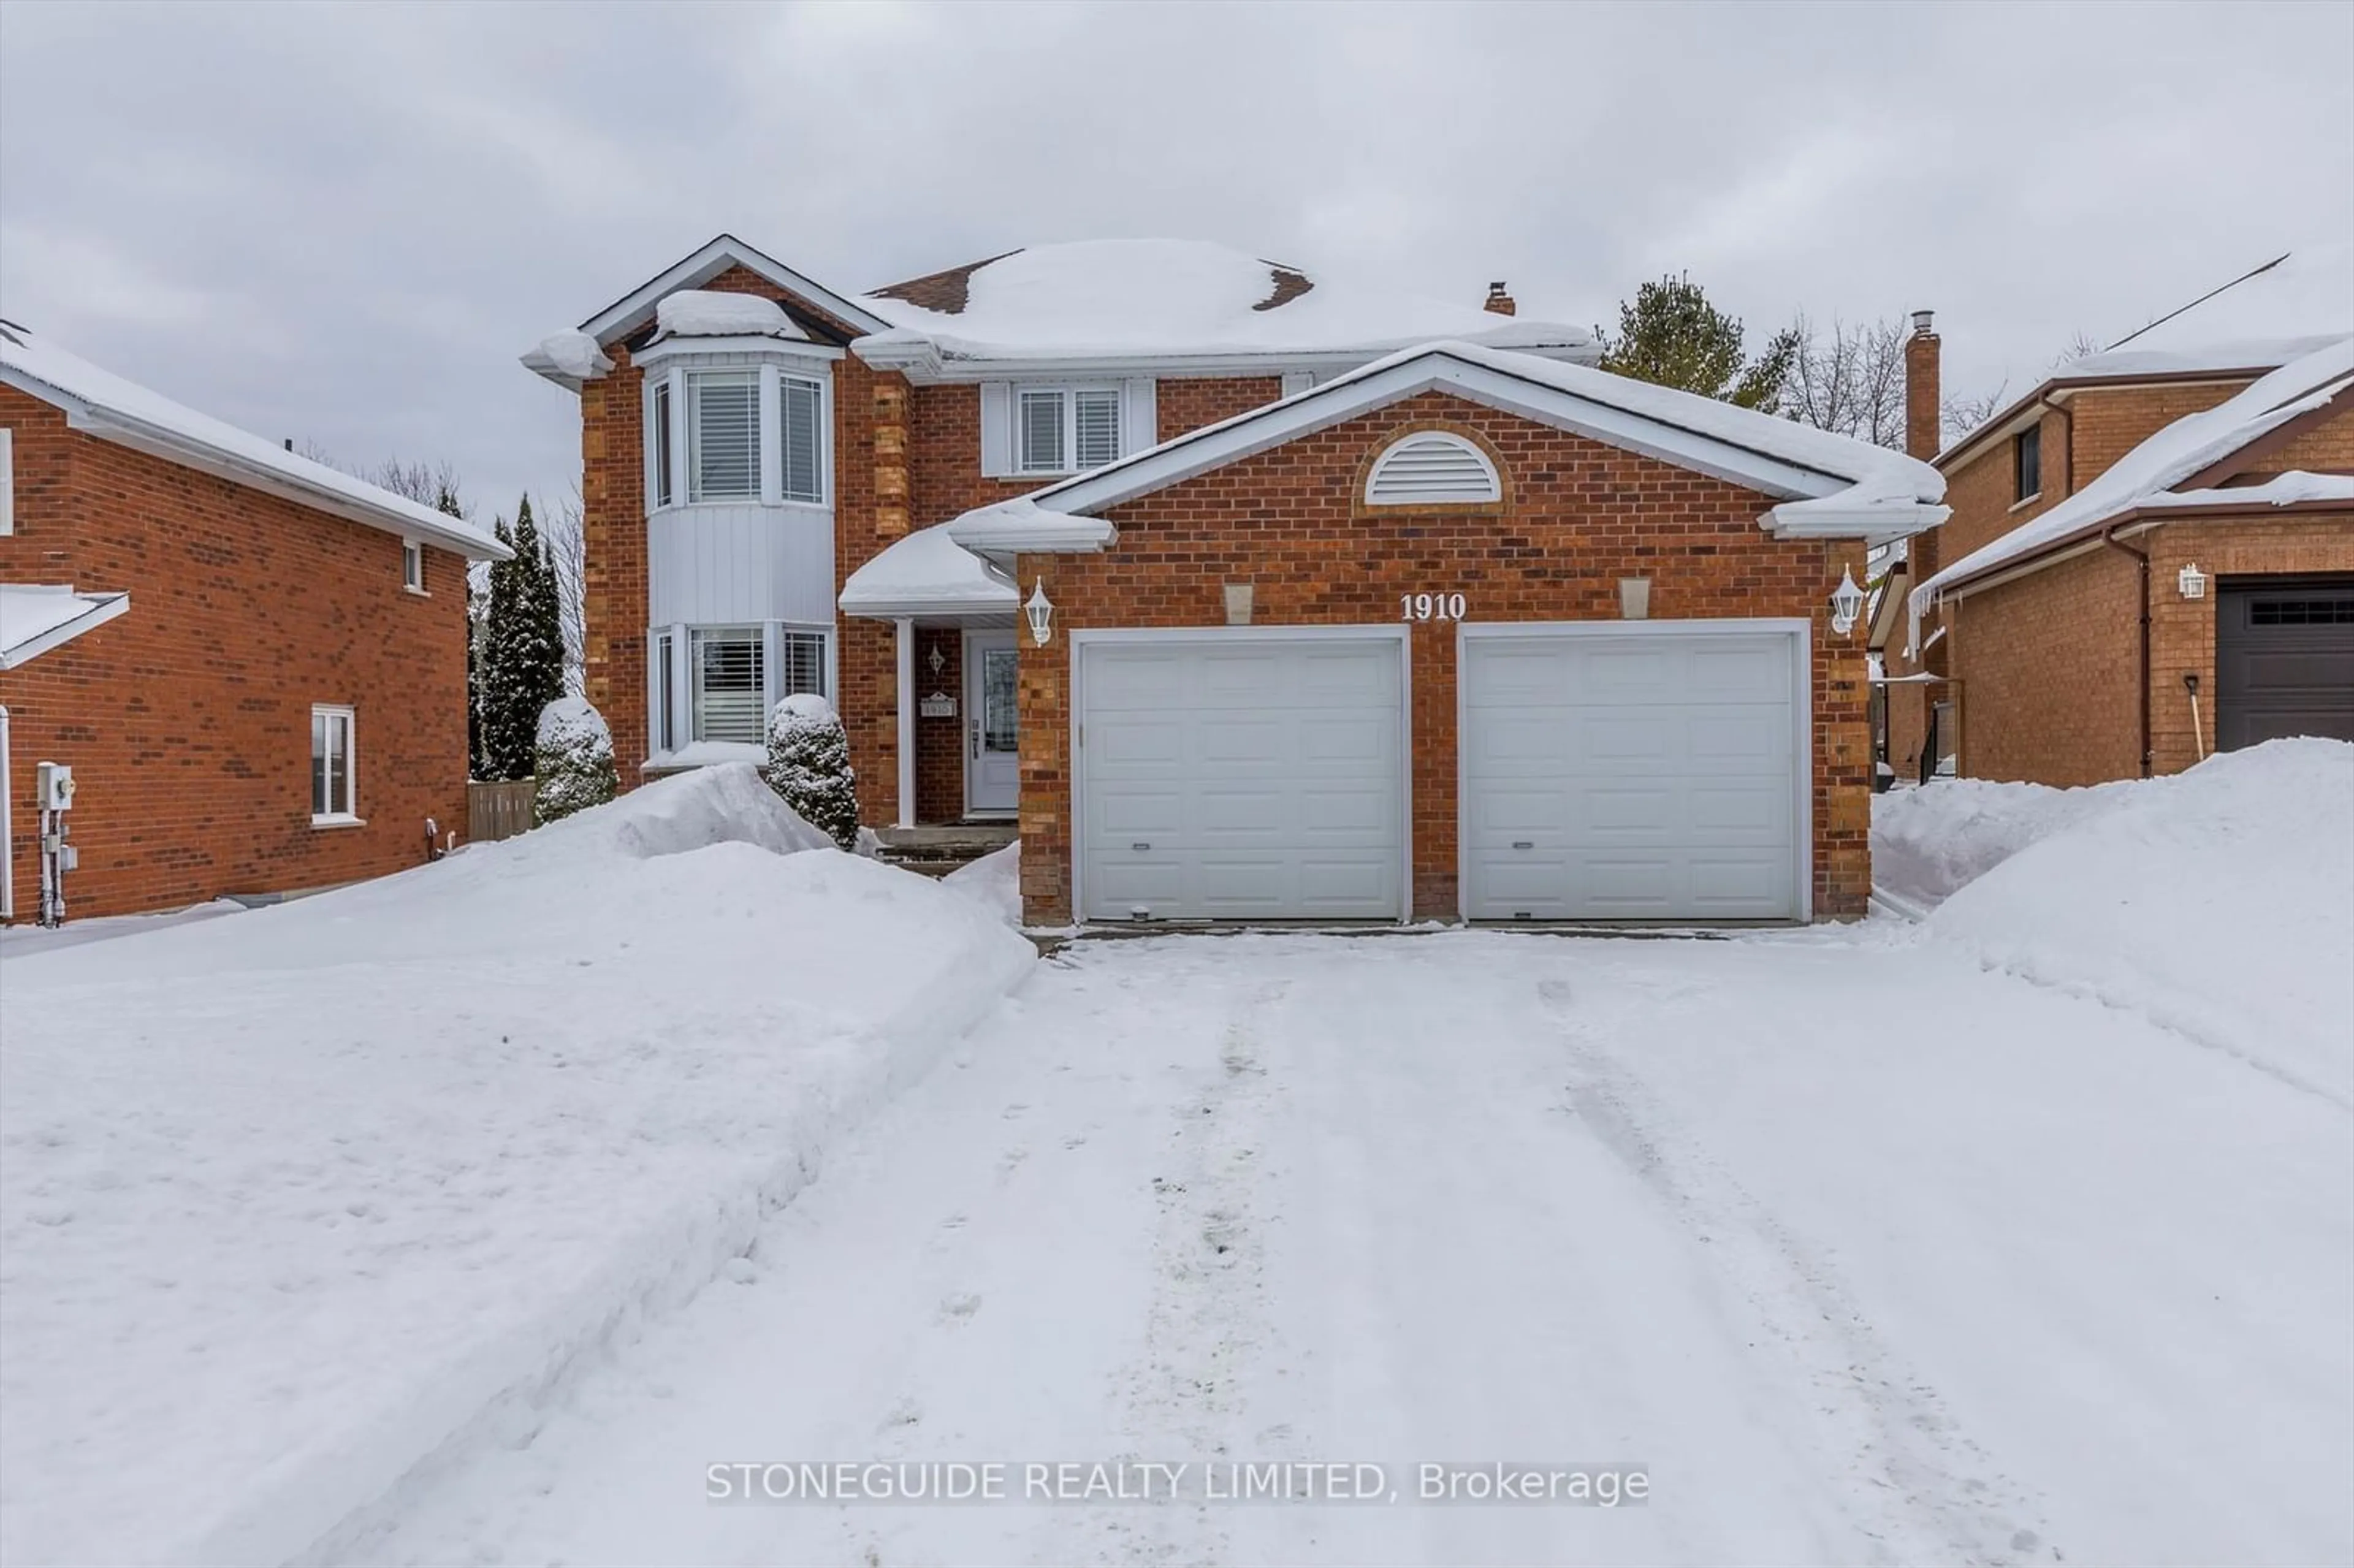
{"points": [[717, 565], [1143, 409]]}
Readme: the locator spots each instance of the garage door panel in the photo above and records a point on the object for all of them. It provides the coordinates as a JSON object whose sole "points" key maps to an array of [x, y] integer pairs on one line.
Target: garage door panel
{"points": [[1283, 757], [1653, 774]]}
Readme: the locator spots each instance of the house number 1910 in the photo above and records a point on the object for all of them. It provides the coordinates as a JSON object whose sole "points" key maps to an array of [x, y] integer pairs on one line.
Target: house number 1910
{"points": [[1430, 607]]}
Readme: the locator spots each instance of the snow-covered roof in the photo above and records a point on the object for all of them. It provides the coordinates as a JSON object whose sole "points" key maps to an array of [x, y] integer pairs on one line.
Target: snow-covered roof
{"points": [[2310, 294], [927, 573], [2194, 359], [720, 312], [1826, 485], [2147, 476], [38, 617], [1144, 300], [106, 406]]}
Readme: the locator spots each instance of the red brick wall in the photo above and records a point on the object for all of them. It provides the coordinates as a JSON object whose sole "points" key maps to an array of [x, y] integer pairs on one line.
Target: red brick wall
{"points": [[613, 539], [2046, 670], [1582, 515], [188, 718]]}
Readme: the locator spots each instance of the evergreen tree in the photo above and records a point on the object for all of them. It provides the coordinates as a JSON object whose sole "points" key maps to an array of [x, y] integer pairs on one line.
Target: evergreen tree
{"points": [[1671, 336], [574, 762], [523, 653], [809, 767]]}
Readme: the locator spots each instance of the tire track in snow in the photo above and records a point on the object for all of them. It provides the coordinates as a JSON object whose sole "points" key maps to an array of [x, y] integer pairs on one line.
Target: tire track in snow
{"points": [[1945, 1500]]}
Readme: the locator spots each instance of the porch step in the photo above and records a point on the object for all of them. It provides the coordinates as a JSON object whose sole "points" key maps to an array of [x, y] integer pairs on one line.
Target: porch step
{"points": [[935, 849]]}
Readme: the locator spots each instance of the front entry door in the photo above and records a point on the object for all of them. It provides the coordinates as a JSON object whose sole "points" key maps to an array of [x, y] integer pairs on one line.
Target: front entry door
{"points": [[992, 765]]}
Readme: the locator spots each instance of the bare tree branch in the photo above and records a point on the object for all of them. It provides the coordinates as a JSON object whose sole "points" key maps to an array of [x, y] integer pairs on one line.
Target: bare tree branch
{"points": [[568, 552], [1850, 380]]}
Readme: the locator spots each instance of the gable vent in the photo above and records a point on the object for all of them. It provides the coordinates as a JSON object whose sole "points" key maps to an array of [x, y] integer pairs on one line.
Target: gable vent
{"points": [[1432, 470]]}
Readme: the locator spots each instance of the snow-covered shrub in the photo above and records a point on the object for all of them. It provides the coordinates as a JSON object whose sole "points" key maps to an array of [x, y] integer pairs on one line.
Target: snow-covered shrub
{"points": [[809, 766], [575, 760]]}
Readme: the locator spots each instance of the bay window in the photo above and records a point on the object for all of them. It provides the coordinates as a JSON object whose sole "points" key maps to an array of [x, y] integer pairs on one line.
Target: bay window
{"points": [[749, 434], [731, 678], [800, 436]]}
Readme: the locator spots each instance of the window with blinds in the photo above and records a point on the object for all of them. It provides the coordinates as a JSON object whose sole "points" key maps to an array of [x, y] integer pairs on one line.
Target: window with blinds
{"points": [[800, 416], [1067, 429], [801, 660], [730, 696], [723, 437], [1040, 438], [664, 493], [1096, 438]]}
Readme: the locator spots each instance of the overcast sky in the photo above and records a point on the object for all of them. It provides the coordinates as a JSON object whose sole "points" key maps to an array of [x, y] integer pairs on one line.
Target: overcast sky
{"points": [[344, 223]]}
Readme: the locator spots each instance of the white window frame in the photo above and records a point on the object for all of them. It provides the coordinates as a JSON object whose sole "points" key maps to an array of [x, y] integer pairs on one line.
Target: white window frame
{"points": [[695, 493], [7, 479], [1069, 392], [669, 693], [661, 440], [775, 382], [344, 715], [412, 567], [754, 633]]}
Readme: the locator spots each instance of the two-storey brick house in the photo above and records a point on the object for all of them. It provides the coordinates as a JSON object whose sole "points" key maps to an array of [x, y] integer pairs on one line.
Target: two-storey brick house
{"points": [[1250, 595], [255, 665], [2150, 558]]}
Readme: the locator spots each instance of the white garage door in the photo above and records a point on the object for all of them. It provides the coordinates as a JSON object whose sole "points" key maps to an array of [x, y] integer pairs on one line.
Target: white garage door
{"points": [[1246, 778], [1646, 775]]}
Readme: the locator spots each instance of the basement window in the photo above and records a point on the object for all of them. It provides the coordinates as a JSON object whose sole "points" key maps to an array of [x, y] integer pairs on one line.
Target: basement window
{"points": [[2027, 464]]}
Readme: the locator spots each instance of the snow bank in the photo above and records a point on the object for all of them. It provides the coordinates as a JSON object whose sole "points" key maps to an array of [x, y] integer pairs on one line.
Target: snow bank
{"points": [[1929, 842], [994, 881], [298, 1201], [2218, 902]]}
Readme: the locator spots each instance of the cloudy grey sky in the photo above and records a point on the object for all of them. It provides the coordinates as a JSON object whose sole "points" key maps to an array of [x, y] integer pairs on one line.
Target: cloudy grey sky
{"points": [[344, 223]]}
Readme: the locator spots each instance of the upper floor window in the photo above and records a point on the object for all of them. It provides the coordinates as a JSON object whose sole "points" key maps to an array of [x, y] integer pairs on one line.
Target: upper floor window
{"points": [[1067, 429], [748, 434], [412, 566], [8, 480], [723, 435], [2027, 464], [1431, 468]]}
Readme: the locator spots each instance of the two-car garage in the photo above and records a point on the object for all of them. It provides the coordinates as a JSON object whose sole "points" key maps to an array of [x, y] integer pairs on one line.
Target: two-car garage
{"points": [[1648, 770]]}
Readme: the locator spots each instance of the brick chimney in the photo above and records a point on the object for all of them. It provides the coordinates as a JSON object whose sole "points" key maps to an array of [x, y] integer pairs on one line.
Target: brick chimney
{"points": [[1922, 422], [1500, 301]]}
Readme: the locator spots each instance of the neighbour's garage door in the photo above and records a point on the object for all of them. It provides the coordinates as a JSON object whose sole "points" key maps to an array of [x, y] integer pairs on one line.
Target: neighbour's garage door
{"points": [[2284, 659], [1229, 777], [1631, 775]]}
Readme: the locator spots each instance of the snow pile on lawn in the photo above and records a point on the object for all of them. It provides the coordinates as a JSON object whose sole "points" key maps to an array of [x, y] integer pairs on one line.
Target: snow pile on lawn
{"points": [[2218, 902], [995, 880], [296, 1199], [1929, 842]]}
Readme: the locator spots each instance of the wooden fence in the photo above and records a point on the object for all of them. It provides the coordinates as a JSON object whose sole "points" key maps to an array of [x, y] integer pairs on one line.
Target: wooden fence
{"points": [[498, 810]]}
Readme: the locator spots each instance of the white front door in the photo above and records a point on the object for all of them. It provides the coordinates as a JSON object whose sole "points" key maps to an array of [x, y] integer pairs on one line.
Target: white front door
{"points": [[992, 755], [1242, 776], [1645, 771]]}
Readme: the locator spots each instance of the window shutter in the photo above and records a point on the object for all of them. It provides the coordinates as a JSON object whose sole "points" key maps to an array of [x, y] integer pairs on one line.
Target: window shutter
{"points": [[1142, 413], [996, 428], [1298, 381]]}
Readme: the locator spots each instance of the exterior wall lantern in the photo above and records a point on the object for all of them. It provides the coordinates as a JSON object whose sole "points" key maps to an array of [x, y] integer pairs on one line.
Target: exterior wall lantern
{"points": [[2192, 581], [1847, 603], [1041, 611]]}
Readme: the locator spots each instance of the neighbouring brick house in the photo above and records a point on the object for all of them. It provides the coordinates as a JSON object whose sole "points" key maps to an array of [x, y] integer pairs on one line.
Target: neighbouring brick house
{"points": [[255, 665], [2150, 558], [1249, 596]]}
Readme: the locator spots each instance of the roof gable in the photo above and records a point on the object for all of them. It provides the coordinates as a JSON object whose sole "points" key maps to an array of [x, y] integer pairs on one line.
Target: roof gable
{"points": [[1824, 485], [722, 254]]}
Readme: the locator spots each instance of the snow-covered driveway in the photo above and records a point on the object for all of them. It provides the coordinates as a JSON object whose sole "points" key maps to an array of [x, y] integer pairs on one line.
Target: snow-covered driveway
{"points": [[1865, 1253]]}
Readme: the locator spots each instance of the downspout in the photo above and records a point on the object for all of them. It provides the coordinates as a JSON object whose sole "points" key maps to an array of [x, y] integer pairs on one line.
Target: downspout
{"points": [[2141, 560]]}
